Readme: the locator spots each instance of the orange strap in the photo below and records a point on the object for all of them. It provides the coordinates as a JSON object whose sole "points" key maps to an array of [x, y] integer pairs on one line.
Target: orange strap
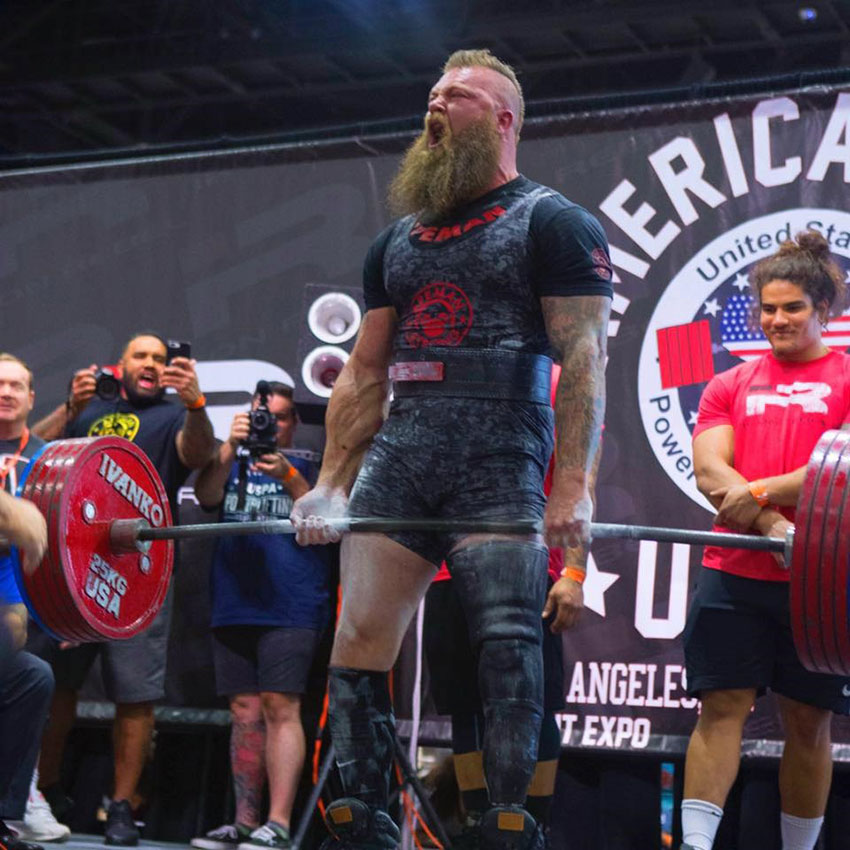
{"points": [[575, 573], [198, 403], [758, 491], [9, 462]]}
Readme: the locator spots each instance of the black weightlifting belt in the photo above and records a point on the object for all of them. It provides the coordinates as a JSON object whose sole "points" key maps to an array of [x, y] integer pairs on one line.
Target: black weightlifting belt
{"points": [[494, 373]]}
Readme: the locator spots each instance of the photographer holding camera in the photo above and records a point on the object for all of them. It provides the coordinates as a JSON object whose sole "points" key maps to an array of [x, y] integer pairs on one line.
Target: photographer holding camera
{"points": [[177, 438], [270, 604]]}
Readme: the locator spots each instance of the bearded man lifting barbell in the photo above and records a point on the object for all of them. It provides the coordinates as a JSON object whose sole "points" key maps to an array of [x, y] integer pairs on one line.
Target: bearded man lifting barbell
{"points": [[466, 295], [756, 428]]}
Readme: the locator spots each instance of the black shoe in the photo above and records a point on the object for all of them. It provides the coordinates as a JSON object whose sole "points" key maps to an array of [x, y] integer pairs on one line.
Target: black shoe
{"points": [[510, 828], [120, 826], [354, 825], [469, 839], [9, 840], [60, 803]]}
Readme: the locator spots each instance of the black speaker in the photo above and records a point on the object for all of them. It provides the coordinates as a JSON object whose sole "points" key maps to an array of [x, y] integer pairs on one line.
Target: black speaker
{"points": [[330, 320]]}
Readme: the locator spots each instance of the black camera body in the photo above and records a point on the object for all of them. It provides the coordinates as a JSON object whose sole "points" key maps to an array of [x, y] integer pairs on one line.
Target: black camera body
{"points": [[106, 384], [262, 436]]}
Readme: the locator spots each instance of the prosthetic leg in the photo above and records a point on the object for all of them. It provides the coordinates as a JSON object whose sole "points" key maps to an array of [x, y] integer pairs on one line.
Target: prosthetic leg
{"points": [[362, 728], [502, 586]]}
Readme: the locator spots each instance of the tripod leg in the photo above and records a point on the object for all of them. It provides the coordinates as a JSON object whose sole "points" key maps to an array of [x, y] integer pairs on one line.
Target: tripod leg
{"points": [[312, 801], [412, 779]]}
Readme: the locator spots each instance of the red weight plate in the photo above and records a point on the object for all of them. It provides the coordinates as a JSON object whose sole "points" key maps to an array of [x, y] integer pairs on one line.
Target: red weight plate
{"points": [[68, 623], [74, 626], [798, 556], [837, 532], [800, 578], [815, 624], [842, 583], [31, 489], [45, 589], [824, 519], [65, 510], [112, 593]]}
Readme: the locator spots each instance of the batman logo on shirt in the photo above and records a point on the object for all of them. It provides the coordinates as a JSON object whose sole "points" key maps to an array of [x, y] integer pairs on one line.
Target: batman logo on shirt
{"points": [[115, 425]]}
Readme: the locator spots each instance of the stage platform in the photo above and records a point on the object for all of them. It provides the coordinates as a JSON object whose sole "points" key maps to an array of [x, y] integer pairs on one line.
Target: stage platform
{"points": [[81, 841]]}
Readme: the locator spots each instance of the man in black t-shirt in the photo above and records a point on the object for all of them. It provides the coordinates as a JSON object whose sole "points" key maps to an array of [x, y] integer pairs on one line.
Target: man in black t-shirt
{"points": [[485, 275], [176, 438]]}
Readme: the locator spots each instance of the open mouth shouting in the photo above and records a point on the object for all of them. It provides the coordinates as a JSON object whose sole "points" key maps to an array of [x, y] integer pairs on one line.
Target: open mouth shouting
{"points": [[437, 131], [147, 381]]}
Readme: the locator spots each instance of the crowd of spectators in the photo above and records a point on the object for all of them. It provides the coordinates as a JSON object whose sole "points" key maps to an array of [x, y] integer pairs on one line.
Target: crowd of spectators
{"points": [[269, 599]]}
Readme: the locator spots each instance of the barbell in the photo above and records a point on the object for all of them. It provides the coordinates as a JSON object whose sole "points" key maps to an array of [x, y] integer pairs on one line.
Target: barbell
{"points": [[110, 550]]}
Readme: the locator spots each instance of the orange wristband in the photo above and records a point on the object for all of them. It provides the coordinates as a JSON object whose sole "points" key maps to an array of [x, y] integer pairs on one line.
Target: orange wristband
{"points": [[290, 473], [574, 573], [759, 492], [198, 403]]}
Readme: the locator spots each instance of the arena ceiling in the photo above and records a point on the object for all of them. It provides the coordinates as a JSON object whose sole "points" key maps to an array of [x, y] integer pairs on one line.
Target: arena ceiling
{"points": [[82, 78]]}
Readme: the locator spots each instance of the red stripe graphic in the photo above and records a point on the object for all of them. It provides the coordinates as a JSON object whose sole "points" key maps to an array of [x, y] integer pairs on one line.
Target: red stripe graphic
{"points": [[684, 354]]}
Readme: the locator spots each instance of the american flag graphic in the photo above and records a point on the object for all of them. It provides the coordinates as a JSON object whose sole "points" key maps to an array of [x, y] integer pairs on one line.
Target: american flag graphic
{"points": [[741, 337]]}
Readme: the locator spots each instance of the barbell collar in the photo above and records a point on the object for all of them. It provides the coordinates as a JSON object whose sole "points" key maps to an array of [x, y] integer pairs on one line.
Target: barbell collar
{"points": [[383, 525]]}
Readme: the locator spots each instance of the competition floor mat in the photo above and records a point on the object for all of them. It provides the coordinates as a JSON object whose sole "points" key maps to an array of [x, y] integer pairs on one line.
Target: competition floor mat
{"points": [[81, 841]]}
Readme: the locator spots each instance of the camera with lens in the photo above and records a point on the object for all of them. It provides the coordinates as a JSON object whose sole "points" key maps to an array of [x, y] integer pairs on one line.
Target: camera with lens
{"points": [[262, 436], [106, 383]]}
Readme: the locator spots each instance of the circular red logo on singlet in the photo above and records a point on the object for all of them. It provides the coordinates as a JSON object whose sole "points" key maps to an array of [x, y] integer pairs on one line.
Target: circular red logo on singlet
{"points": [[440, 314]]}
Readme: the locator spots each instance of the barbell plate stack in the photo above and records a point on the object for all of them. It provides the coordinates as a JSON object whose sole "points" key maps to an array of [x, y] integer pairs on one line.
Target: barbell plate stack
{"points": [[44, 592], [818, 591], [84, 590], [819, 579], [835, 565]]}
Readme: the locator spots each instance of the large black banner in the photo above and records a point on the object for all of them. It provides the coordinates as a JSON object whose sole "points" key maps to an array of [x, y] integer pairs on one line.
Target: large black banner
{"points": [[217, 249]]}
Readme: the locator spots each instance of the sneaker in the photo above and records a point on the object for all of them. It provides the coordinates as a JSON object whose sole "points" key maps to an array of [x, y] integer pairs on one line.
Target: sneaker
{"points": [[60, 803], [120, 828], [270, 834], [222, 838], [510, 828], [39, 823], [356, 826], [9, 839]]}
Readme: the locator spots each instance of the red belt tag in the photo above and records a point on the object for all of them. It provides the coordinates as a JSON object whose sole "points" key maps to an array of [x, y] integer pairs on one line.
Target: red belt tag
{"points": [[417, 370]]}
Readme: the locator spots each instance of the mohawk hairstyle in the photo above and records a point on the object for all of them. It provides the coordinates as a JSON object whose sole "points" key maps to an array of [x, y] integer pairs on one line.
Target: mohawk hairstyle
{"points": [[485, 59]]}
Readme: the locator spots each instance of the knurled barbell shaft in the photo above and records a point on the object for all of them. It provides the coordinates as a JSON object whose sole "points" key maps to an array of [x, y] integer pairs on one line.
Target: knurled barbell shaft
{"points": [[599, 530]]}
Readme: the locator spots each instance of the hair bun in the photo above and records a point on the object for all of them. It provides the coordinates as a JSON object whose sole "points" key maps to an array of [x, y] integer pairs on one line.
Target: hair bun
{"points": [[814, 243]]}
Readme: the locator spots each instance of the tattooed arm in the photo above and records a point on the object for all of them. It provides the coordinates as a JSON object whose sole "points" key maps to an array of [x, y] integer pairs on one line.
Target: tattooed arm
{"points": [[565, 600], [578, 331]]}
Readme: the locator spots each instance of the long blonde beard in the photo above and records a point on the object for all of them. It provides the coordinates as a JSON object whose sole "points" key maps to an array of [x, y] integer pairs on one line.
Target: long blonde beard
{"points": [[462, 167]]}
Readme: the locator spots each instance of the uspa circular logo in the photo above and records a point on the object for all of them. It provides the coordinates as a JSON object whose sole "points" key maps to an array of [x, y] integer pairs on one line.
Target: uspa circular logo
{"points": [[440, 315], [703, 325]]}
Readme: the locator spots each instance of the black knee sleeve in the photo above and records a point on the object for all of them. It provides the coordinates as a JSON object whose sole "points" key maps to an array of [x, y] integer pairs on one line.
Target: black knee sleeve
{"points": [[467, 733], [502, 586], [362, 728], [549, 746]]}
